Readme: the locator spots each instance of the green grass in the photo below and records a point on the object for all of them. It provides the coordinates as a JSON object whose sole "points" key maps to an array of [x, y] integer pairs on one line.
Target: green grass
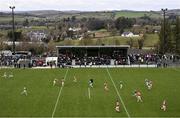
{"points": [[131, 14], [18, 18], [151, 41], [38, 27], [9, 18], [74, 100]]}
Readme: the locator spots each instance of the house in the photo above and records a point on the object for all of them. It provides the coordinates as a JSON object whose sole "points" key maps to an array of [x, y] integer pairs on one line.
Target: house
{"points": [[74, 32], [74, 29], [128, 34], [37, 35]]}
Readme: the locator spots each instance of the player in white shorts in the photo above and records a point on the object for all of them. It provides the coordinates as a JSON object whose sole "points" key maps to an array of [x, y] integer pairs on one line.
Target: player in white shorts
{"points": [[55, 82], [150, 84], [106, 86], [117, 107], [146, 82], [75, 79], [120, 84], [24, 92], [163, 106], [62, 82]]}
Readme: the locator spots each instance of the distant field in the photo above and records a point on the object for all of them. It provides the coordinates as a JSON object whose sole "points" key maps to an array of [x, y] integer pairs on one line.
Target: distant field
{"points": [[100, 15], [130, 14], [107, 15], [9, 18], [18, 18], [152, 39], [74, 99]]}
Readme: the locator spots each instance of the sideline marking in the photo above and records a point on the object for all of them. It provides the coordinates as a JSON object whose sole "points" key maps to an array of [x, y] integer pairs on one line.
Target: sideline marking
{"points": [[118, 93], [59, 94], [89, 93]]}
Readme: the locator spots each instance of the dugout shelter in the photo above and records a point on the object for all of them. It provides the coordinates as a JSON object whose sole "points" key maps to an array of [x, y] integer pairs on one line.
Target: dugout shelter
{"points": [[93, 55]]}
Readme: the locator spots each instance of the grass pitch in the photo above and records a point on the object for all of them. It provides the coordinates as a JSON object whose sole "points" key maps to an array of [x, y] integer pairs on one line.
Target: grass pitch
{"points": [[72, 100]]}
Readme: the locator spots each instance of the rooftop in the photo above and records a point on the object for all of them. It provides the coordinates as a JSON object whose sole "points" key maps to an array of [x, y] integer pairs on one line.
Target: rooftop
{"points": [[96, 46]]}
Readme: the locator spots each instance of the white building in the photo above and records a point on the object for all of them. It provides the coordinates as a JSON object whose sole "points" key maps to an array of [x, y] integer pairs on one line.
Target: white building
{"points": [[128, 34], [74, 29], [37, 36]]}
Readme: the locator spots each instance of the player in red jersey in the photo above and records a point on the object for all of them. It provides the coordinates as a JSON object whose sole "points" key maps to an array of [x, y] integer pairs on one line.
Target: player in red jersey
{"points": [[138, 96]]}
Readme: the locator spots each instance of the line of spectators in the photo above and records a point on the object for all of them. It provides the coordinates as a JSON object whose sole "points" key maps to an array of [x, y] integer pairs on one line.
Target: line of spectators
{"points": [[131, 59]]}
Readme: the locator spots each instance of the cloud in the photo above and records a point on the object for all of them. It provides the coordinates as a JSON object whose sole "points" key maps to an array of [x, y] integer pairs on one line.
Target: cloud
{"points": [[87, 5]]}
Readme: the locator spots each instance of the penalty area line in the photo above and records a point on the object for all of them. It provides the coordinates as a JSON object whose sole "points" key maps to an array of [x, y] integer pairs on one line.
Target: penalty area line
{"points": [[59, 94], [118, 93]]}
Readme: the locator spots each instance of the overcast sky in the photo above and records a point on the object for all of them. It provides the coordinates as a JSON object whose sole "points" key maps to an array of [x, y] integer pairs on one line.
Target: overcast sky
{"points": [[89, 5]]}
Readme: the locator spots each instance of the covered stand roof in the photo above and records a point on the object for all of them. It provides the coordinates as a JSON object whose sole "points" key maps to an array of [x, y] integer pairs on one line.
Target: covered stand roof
{"points": [[96, 46]]}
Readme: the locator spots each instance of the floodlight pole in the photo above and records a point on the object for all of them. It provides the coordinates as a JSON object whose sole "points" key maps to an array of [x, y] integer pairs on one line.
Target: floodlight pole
{"points": [[13, 28], [164, 33]]}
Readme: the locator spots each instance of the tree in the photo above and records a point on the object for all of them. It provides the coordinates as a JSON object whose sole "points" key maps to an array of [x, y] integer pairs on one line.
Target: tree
{"points": [[166, 42], [1, 35], [17, 35], [1, 41], [36, 48], [113, 15], [109, 24], [95, 24], [141, 41], [73, 18], [26, 23], [51, 46], [84, 19], [70, 34], [122, 23], [63, 35], [46, 40], [113, 32], [177, 35]]}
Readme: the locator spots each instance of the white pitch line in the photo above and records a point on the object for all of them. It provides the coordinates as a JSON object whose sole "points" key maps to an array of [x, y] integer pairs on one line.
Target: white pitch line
{"points": [[89, 93], [118, 93], [59, 95]]}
